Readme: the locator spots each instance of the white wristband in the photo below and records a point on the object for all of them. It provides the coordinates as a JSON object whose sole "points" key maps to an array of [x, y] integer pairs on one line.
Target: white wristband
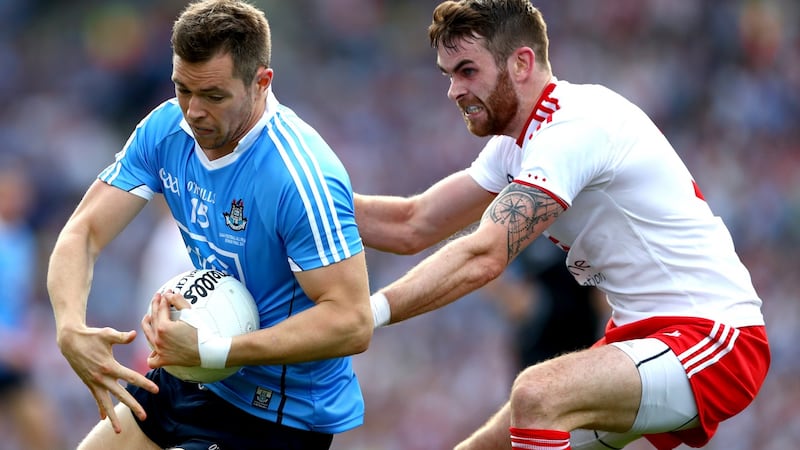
{"points": [[381, 312], [213, 348], [213, 351]]}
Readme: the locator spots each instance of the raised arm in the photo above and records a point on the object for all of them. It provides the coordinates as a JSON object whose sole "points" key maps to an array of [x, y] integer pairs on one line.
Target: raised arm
{"points": [[408, 225], [515, 218], [102, 214]]}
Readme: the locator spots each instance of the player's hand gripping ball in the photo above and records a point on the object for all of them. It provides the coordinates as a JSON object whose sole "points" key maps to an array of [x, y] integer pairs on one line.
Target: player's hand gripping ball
{"points": [[221, 305]]}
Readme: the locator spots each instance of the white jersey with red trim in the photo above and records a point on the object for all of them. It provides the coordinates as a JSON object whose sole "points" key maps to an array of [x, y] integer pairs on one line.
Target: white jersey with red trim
{"points": [[636, 225]]}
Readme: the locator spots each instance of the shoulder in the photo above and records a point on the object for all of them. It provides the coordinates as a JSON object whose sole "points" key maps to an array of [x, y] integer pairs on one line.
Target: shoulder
{"points": [[301, 144], [287, 126], [594, 102]]}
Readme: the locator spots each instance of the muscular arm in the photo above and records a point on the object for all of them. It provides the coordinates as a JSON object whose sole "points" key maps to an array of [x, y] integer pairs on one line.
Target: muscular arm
{"points": [[515, 218], [407, 225], [339, 324], [101, 215]]}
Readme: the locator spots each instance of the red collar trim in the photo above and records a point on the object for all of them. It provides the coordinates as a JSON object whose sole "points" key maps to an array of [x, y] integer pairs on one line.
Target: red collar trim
{"points": [[545, 106]]}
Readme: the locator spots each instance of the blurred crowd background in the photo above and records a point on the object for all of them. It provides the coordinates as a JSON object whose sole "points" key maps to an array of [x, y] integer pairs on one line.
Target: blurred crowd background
{"points": [[721, 79]]}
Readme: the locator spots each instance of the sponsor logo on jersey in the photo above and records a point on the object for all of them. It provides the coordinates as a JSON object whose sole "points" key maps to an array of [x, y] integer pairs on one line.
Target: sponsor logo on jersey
{"points": [[170, 182], [206, 195], [584, 273], [235, 219]]}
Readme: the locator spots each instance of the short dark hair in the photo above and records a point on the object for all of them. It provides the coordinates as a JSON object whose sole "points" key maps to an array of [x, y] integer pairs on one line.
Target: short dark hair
{"points": [[209, 27], [505, 25]]}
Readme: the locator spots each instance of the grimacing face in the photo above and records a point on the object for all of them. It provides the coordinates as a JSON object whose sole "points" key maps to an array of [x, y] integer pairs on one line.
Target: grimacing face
{"points": [[482, 91], [218, 107]]}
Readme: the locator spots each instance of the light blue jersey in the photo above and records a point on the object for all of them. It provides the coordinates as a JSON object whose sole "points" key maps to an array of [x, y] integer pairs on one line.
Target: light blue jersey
{"points": [[281, 202]]}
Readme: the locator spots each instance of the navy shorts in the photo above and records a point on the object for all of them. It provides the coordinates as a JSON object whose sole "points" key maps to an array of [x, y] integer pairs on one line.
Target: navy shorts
{"points": [[188, 416]]}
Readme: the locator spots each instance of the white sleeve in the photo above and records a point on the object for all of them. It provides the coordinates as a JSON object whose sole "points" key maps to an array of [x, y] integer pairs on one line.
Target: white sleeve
{"points": [[497, 164], [567, 156]]}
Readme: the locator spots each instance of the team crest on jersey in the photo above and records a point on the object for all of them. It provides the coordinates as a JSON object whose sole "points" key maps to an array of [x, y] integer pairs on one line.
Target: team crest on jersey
{"points": [[262, 397], [235, 219]]}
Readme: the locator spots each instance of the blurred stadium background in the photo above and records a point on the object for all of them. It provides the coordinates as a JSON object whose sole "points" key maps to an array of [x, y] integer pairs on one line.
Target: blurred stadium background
{"points": [[721, 79]]}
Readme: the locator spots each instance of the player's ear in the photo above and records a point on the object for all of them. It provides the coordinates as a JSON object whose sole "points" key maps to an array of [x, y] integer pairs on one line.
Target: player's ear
{"points": [[264, 77], [522, 62]]}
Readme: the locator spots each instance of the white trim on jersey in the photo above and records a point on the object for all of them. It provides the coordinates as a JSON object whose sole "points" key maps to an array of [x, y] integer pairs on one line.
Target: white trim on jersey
{"points": [[719, 343], [315, 228], [144, 192], [111, 172], [337, 225], [212, 258]]}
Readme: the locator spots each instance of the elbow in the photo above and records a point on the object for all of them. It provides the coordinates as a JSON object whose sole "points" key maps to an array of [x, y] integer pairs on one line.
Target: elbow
{"points": [[361, 336], [411, 243], [362, 340], [405, 241], [488, 270], [359, 332], [417, 236]]}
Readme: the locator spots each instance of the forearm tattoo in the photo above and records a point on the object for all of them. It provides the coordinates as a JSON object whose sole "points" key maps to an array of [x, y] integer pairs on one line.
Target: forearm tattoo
{"points": [[520, 208]]}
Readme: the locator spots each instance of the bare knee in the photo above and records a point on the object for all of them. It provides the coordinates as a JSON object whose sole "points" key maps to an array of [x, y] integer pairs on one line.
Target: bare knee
{"points": [[595, 388], [532, 399]]}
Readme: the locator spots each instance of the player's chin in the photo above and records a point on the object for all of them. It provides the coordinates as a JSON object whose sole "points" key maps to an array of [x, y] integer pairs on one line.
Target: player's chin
{"points": [[477, 128]]}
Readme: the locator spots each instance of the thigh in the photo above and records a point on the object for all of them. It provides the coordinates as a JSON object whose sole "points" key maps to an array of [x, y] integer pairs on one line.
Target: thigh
{"points": [[103, 437], [597, 388], [668, 402]]}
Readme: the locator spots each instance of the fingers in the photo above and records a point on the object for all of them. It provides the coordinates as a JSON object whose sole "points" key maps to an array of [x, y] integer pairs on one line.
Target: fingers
{"points": [[123, 337], [135, 378], [106, 407], [147, 328], [177, 301], [103, 378], [165, 306], [154, 360], [159, 308], [104, 400]]}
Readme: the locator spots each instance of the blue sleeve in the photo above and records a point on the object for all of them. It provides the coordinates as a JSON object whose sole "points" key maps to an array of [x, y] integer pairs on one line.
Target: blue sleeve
{"points": [[136, 168], [316, 216]]}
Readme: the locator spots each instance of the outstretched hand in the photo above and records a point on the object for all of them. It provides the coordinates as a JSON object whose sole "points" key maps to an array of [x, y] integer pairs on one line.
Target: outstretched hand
{"points": [[89, 351]]}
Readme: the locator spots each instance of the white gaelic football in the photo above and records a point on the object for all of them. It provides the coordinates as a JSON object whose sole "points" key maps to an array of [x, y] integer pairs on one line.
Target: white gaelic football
{"points": [[221, 304]]}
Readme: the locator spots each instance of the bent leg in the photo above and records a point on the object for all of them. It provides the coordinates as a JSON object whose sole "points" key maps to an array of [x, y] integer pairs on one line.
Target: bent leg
{"points": [[594, 388], [597, 388], [626, 389], [103, 437], [667, 399]]}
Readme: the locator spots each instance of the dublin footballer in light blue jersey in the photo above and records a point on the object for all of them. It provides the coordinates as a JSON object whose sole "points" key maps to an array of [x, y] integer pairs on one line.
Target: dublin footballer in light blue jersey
{"points": [[280, 203], [258, 194]]}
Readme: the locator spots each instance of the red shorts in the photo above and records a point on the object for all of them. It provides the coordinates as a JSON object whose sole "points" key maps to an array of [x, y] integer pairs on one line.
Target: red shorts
{"points": [[726, 367]]}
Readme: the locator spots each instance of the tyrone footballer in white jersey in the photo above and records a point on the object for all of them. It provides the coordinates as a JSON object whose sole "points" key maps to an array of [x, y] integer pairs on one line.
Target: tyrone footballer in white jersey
{"points": [[686, 346], [635, 225]]}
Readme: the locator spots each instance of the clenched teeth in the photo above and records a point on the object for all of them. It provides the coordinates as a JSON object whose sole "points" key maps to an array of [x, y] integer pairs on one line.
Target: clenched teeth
{"points": [[472, 109]]}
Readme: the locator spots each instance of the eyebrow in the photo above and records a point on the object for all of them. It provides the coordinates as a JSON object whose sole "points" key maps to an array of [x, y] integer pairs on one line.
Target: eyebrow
{"points": [[458, 66], [204, 90]]}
